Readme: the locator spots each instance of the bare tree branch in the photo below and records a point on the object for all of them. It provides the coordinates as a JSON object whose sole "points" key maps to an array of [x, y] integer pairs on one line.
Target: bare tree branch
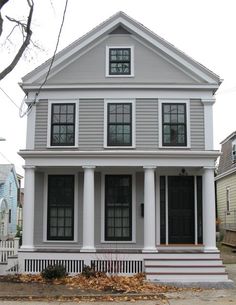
{"points": [[26, 32]]}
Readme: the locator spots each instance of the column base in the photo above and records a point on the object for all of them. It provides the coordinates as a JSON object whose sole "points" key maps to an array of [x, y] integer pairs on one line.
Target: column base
{"points": [[149, 250], [27, 248], [210, 249], [88, 249]]}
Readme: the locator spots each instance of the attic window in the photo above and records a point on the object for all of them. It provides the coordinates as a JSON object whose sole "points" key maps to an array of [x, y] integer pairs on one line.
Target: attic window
{"points": [[119, 61], [234, 151]]}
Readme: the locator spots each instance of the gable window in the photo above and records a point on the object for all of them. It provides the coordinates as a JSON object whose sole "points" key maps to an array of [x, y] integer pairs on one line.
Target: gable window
{"points": [[63, 124], [119, 126], [60, 207], [174, 124], [119, 61], [118, 207]]}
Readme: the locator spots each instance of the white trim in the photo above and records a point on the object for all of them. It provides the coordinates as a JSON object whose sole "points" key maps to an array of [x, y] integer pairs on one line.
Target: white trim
{"points": [[167, 210], [131, 60], [45, 207], [66, 101], [133, 115], [188, 128], [195, 211], [118, 172]]}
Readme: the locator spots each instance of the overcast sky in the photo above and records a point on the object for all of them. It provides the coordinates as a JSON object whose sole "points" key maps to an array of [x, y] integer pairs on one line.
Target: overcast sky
{"points": [[203, 29]]}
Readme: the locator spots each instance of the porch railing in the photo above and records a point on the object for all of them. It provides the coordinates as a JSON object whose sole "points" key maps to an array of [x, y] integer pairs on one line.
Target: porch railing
{"points": [[8, 248]]}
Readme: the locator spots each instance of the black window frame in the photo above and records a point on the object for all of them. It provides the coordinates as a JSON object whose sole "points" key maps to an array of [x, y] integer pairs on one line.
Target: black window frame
{"points": [[60, 206], [120, 61], [130, 124], [115, 205], [60, 124], [177, 124]]}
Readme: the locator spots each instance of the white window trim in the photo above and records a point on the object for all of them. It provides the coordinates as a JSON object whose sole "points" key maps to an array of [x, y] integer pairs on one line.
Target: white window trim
{"points": [[45, 208], [115, 101], [175, 101], [50, 102], [131, 60], [103, 241]]}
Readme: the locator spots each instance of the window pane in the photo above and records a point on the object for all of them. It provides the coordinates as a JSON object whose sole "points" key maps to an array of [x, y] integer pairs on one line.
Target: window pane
{"points": [[167, 138], [63, 108], [127, 139], [181, 109], [173, 108], [173, 118], [56, 118], [56, 109], [181, 118], [119, 128], [166, 118]]}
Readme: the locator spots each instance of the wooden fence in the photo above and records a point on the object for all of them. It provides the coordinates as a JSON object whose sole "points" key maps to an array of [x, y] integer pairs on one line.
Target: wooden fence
{"points": [[8, 248]]}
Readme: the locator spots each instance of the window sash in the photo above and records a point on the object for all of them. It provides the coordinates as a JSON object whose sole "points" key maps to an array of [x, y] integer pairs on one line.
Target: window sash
{"points": [[63, 124], [119, 61], [119, 124], [174, 124], [118, 208], [60, 218]]}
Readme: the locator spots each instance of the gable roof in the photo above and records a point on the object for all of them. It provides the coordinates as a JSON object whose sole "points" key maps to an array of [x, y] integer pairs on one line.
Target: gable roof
{"points": [[130, 25], [5, 170]]}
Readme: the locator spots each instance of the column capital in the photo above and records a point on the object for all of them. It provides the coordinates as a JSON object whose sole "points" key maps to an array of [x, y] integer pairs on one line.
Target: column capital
{"points": [[209, 167], [149, 167], [208, 102], [88, 166], [28, 167]]}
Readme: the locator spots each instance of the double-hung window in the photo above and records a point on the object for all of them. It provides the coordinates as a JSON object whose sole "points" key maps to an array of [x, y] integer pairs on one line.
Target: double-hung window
{"points": [[63, 124], [174, 124], [60, 207]]}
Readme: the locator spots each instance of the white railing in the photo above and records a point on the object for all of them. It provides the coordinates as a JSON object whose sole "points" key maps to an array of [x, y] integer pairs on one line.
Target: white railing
{"points": [[8, 248]]}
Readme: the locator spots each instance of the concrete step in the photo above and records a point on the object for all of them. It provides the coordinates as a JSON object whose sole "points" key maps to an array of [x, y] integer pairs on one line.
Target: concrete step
{"points": [[184, 269], [185, 255], [187, 277]]}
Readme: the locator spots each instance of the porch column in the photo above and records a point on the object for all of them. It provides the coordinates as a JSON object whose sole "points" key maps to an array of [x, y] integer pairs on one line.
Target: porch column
{"points": [[28, 208], [209, 213], [88, 210], [149, 209]]}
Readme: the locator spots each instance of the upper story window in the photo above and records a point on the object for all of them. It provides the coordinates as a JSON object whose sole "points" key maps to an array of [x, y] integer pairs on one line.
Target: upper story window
{"points": [[62, 124], [120, 61], [119, 124], [174, 124]]}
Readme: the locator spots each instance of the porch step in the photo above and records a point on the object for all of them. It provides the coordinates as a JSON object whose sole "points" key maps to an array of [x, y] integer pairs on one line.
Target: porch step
{"points": [[185, 267]]}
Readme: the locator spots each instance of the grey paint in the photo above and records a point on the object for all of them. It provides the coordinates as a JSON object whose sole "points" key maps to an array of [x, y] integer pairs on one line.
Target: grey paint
{"points": [[91, 118], [226, 163], [149, 66], [197, 125], [147, 124], [41, 124], [91, 124]]}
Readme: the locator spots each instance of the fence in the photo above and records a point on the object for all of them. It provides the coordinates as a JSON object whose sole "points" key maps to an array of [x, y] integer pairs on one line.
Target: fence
{"points": [[230, 220], [8, 248]]}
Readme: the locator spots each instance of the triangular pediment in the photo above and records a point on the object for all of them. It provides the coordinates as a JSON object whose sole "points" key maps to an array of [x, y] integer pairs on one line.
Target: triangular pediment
{"points": [[158, 61]]}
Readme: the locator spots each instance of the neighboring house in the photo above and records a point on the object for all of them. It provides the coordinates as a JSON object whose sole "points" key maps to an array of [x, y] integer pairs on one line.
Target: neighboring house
{"points": [[119, 160], [226, 184], [9, 186]]}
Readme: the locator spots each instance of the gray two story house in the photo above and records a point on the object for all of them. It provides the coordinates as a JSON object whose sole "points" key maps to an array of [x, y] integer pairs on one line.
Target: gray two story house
{"points": [[119, 160]]}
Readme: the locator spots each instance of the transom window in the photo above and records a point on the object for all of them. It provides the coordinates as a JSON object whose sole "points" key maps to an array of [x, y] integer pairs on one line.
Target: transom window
{"points": [[60, 207], [119, 61], [174, 124], [63, 125], [119, 127], [118, 207]]}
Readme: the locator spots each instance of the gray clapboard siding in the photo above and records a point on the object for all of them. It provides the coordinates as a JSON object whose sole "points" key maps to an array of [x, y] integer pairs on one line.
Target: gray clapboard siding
{"points": [[41, 124], [91, 117], [147, 124], [197, 125]]}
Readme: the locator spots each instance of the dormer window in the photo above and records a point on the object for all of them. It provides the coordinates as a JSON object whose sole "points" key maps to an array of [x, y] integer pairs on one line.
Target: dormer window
{"points": [[234, 151], [119, 62]]}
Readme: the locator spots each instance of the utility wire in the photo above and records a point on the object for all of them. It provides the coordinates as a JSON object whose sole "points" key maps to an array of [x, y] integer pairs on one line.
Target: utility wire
{"points": [[10, 99], [52, 61]]}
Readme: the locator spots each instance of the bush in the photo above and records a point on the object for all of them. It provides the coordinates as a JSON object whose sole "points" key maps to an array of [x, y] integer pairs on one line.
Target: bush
{"points": [[54, 272], [88, 271]]}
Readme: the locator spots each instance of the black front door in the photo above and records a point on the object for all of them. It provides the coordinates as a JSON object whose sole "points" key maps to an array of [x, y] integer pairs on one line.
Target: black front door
{"points": [[181, 209]]}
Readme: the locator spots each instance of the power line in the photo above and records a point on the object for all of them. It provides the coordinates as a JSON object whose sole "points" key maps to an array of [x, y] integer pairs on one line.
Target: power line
{"points": [[10, 99], [52, 61]]}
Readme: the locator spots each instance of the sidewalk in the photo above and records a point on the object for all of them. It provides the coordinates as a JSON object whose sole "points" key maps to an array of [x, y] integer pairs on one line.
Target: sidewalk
{"points": [[44, 292]]}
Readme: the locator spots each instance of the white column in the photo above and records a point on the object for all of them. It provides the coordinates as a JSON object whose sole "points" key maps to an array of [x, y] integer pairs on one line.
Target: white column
{"points": [[208, 122], [209, 213], [88, 210], [28, 208], [149, 210]]}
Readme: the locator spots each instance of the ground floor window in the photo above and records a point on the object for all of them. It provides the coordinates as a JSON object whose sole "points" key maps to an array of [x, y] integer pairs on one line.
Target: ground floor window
{"points": [[118, 207], [60, 207]]}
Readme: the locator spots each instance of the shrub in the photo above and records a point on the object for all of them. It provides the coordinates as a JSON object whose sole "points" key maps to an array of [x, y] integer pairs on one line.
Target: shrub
{"points": [[54, 272], [88, 271]]}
